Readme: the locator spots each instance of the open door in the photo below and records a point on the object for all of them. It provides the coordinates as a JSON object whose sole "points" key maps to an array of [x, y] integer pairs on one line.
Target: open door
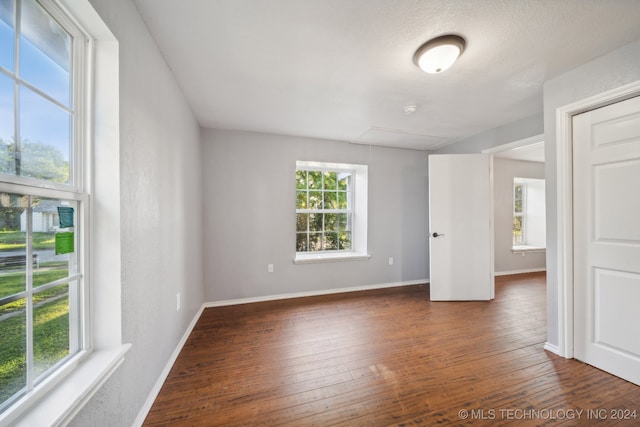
{"points": [[461, 236]]}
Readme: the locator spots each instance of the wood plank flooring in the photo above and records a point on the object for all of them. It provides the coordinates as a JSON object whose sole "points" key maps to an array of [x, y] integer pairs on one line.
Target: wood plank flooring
{"points": [[387, 357]]}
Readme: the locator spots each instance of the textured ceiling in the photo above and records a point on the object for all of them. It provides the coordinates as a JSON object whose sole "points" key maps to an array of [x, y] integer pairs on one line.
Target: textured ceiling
{"points": [[343, 70]]}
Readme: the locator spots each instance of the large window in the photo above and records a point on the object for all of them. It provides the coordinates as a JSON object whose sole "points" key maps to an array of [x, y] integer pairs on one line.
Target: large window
{"points": [[43, 199], [519, 204], [529, 223], [323, 210], [331, 211]]}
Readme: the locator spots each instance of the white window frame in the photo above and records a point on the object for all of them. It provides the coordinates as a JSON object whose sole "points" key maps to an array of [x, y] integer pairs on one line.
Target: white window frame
{"points": [[80, 58], [522, 215], [322, 211], [359, 220], [533, 216], [74, 190], [57, 399]]}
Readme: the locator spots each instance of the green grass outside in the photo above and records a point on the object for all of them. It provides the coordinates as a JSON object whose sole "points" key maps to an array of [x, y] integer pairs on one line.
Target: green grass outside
{"points": [[12, 283], [50, 330], [50, 344], [15, 240]]}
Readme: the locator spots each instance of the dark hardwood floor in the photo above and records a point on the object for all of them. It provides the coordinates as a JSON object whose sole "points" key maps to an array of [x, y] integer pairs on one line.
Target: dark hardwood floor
{"points": [[387, 357]]}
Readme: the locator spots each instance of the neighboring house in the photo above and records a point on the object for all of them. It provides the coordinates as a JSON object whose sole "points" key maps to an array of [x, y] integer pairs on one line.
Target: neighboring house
{"points": [[45, 217]]}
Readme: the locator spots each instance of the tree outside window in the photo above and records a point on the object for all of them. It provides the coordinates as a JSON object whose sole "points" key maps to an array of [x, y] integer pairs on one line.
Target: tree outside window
{"points": [[324, 216]]}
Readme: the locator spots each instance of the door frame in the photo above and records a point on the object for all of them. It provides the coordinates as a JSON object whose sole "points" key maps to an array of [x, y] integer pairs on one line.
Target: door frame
{"points": [[564, 206], [492, 151]]}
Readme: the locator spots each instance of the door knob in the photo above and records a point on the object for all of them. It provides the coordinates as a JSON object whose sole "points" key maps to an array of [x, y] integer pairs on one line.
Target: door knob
{"points": [[437, 235]]}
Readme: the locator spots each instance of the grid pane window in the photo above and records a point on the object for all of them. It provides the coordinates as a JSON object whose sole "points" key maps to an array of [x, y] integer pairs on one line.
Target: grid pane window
{"points": [[36, 127], [324, 214], [518, 213], [38, 283], [42, 198]]}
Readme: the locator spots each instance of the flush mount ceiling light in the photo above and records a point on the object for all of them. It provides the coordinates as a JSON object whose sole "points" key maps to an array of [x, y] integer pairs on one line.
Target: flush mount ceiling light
{"points": [[438, 54]]}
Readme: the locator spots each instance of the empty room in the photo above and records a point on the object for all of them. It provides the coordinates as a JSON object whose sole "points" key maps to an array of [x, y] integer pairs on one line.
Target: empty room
{"points": [[317, 213]]}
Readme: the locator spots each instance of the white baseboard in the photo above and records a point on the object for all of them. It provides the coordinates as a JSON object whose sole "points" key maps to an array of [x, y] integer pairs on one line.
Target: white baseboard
{"points": [[144, 411], [312, 293], [552, 348], [530, 270]]}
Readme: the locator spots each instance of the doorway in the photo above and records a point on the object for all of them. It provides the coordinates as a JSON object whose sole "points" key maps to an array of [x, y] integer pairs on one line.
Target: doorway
{"points": [[565, 245], [519, 206], [606, 167]]}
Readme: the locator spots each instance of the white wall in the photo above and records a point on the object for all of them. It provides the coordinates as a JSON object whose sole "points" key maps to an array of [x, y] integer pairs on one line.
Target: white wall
{"points": [[503, 173], [249, 215], [521, 129], [615, 69], [160, 211]]}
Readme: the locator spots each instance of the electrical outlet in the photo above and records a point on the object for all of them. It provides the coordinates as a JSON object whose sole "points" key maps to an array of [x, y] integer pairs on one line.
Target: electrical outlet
{"points": [[178, 301], [270, 268], [390, 260]]}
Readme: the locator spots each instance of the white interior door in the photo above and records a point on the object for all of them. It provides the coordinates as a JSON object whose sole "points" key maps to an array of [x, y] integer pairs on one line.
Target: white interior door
{"points": [[461, 238], [606, 194]]}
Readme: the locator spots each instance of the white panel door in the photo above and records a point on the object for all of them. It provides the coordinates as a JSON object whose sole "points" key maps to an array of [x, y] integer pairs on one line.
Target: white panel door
{"points": [[606, 194], [461, 239]]}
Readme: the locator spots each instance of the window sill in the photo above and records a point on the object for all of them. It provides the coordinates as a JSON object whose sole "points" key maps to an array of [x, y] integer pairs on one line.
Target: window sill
{"points": [[317, 258], [65, 398], [522, 249]]}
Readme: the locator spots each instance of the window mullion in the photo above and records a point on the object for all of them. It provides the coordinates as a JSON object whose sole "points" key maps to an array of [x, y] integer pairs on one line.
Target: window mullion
{"points": [[44, 95], [17, 25], [325, 211], [29, 302], [308, 233], [323, 233]]}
